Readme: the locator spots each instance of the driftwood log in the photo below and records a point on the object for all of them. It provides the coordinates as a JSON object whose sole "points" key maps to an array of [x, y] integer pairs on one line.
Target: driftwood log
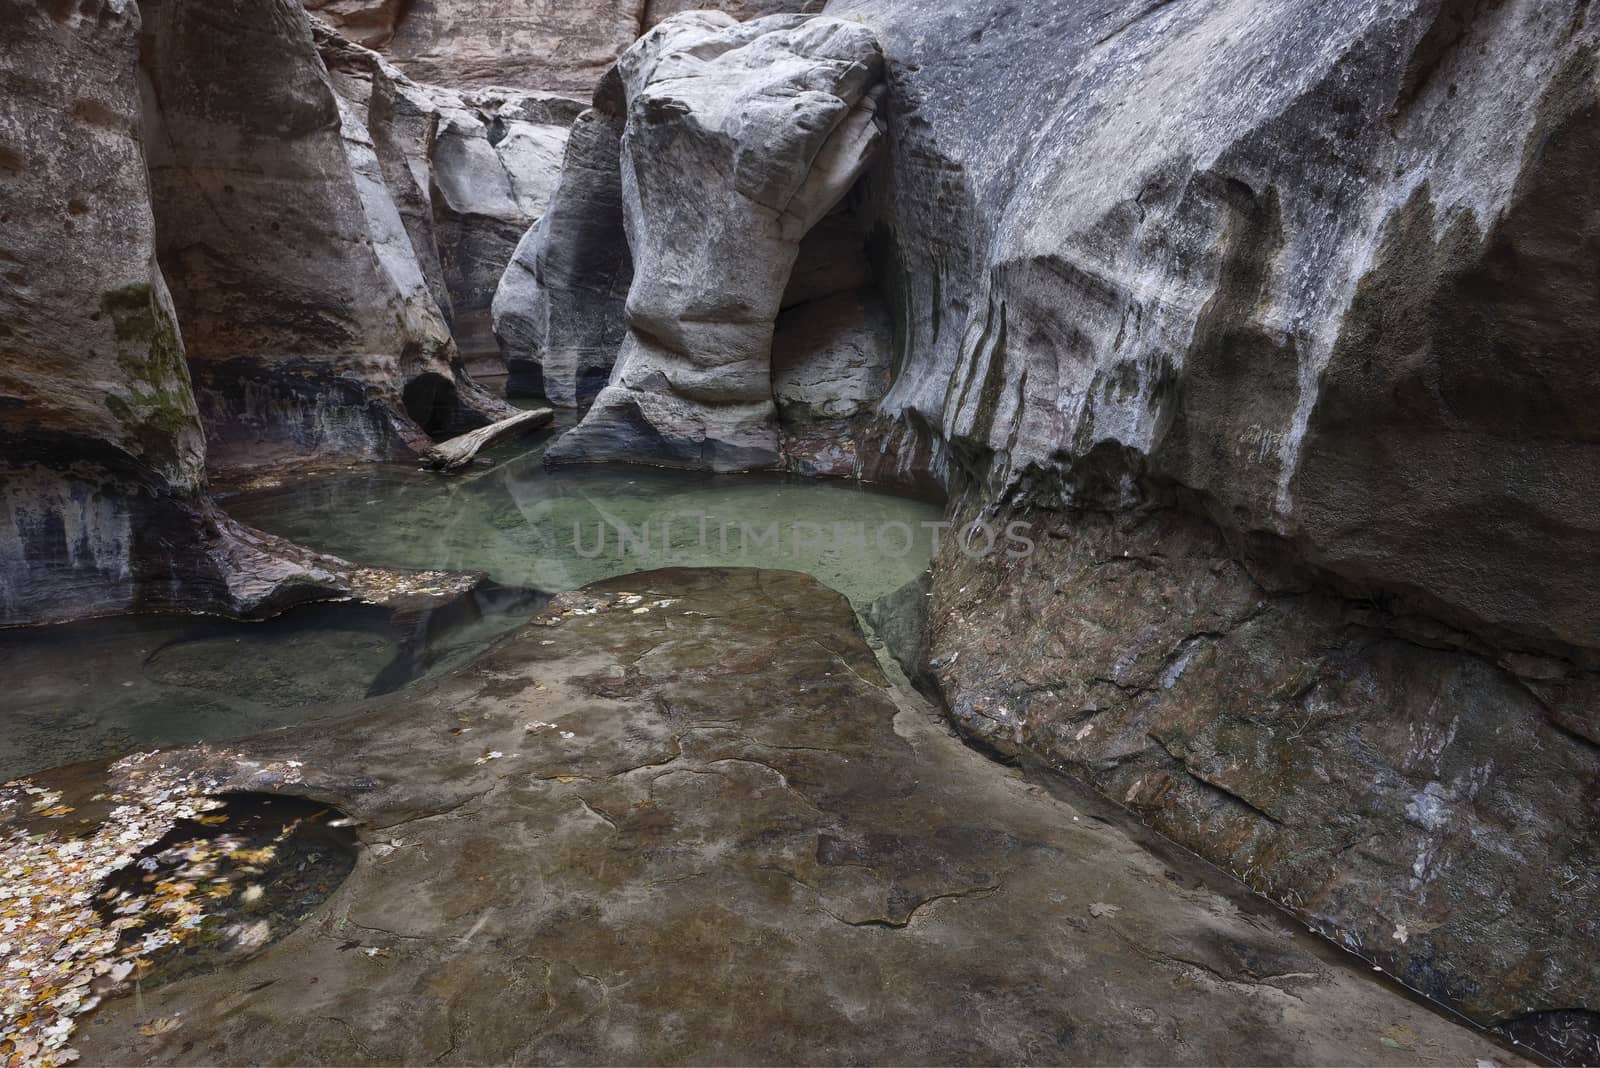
{"points": [[458, 452]]}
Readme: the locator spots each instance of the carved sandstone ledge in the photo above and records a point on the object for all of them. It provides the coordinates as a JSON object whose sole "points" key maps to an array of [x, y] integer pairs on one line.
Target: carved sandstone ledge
{"points": [[692, 796]]}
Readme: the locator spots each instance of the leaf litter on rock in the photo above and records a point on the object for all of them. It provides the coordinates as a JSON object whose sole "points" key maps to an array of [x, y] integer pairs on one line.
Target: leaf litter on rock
{"points": [[83, 917]]}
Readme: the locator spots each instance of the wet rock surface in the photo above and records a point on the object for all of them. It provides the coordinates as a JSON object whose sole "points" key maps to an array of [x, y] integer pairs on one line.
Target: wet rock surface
{"points": [[682, 817], [1402, 787]]}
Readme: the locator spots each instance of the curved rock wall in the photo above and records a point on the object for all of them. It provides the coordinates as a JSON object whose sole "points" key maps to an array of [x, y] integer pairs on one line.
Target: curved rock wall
{"points": [[559, 308], [102, 469], [310, 328], [1279, 318]]}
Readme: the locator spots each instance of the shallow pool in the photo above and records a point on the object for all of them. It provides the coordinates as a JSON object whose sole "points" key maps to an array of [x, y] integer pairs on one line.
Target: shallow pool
{"points": [[562, 529], [103, 688]]}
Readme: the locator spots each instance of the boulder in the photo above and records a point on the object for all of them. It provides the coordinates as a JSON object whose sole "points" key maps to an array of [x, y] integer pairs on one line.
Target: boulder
{"points": [[103, 504], [309, 325], [558, 312], [740, 138], [1280, 318]]}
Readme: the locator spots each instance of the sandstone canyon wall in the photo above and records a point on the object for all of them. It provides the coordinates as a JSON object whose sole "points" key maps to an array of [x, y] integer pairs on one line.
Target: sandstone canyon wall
{"points": [[739, 139], [1277, 320], [103, 504], [310, 327], [556, 45]]}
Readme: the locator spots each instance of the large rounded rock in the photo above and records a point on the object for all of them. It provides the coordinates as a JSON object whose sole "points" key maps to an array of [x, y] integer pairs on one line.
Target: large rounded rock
{"points": [[740, 138]]}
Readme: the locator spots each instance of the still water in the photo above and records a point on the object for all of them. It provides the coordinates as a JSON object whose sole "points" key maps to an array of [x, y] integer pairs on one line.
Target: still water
{"points": [[103, 688]]}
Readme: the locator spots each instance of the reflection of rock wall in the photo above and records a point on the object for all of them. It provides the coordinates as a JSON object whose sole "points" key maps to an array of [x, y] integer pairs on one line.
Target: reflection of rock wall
{"points": [[740, 138], [308, 321], [102, 460], [1317, 275]]}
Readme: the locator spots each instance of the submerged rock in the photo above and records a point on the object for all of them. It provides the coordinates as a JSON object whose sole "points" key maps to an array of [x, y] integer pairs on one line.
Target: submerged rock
{"points": [[740, 138], [608, 819], [103, 504]]}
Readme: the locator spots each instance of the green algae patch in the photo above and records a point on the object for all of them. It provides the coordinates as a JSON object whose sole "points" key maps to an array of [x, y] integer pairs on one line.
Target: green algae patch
{"points": [[158, 406]]}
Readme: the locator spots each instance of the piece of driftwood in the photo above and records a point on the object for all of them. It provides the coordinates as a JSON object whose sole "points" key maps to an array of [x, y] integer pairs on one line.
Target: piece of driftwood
{"points": [[458, 452]]}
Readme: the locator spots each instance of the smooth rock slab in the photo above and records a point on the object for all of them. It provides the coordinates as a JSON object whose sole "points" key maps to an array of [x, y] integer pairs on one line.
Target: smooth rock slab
{"points": [[711, 834]]}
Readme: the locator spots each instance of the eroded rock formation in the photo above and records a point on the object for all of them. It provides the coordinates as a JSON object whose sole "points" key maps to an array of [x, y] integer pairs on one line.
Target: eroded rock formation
{"points": [[1280, 317], [103, 506], [495, 166], [309, 325], [559, 310], [557, 45], [740, 138]]}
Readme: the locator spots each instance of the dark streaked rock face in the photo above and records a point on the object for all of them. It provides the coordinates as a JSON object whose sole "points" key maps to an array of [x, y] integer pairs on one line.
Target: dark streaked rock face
{"points": [[102, 459], [610, 817], [1280, 316], [1397, 783]]}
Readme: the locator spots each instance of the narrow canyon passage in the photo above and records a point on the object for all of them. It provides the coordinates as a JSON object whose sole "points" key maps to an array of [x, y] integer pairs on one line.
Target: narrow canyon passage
{"points": [[799, 532]]}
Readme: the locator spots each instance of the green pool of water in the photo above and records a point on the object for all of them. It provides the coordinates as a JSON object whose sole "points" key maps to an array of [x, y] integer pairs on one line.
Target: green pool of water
{"points": [[562, 529], [103, 688]]}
